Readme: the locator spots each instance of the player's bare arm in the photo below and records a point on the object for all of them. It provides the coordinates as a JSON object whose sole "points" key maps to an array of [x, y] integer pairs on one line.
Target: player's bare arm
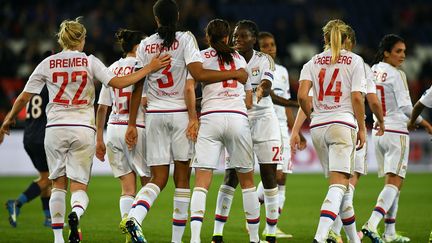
{"points": [[155, 64], [296, 135], [376, 108], [303, 97], [278, 100], [417, 110], [263, 89], [211, 76], [190, 100], [131, 135], [18, 105], [249, 99], [100, 123], [357, 100]]}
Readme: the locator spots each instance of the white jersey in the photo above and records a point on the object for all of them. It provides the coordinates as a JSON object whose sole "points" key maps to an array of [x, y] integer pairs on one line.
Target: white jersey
{"points": [[69, 76], [370, 80], [332, 86], [392, 91], [260, 67], [281, 88], [166, 86], [225, 96], [119, 99], [426, 98]]}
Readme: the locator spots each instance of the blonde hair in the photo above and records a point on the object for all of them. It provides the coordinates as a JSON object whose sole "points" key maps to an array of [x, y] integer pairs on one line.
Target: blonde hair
{"points": [[71, 33], [335, 33]]}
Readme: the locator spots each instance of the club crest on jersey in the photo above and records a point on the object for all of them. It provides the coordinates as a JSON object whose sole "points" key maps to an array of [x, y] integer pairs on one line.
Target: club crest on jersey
{"points": [[255, 71]]}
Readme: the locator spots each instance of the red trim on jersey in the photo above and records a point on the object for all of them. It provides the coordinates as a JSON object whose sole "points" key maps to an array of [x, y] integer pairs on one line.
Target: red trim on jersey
{"points": [[166, 111], [224, 111], [125, 123], [70, 125], [333, 122]]}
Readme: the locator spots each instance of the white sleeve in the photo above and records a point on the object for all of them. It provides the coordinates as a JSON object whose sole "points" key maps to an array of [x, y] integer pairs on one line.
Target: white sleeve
{"points": [[105, 96], [287, 92], [306, 72], [37, 80], [140, 54], [268, 69], [401, 91], [370, 80], [426, 98], [101, 72], [358, 77], [191, 51]]}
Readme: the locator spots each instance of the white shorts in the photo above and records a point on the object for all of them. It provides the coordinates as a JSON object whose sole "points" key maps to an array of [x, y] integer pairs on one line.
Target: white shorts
{"points": [[166, 138], [122, 160], [391, 151], [70, 151], [266, 139], [286, 166], [335, 146], [360, 163], [219, 130]]}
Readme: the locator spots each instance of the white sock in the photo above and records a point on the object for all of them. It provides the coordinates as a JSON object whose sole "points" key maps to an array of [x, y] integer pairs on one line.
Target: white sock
{"points": [[390, 217], [223, 206], [384, 202], [329, 210], [271, 203], [348, 216], [79, 202], [260, 192], [182, 197], [281, 194], [337, 225], [143, 201], [197, 208], [125, 203], [251, 207], [57, 205]]}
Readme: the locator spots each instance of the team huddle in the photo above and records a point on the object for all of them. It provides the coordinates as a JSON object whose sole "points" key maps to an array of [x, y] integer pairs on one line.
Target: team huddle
{"points": [[243, 116]]}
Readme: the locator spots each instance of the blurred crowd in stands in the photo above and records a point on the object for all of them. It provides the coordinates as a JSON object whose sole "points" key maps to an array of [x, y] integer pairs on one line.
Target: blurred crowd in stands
{"points": [[28, 30]]}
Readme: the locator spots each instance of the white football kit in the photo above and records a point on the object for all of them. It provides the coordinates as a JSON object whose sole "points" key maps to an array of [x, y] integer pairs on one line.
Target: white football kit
{"points": [[70, 133], [166, 117], [263, 121], [281, 88], [122, 160], [333, 124], [392, 148], [223, 119]]}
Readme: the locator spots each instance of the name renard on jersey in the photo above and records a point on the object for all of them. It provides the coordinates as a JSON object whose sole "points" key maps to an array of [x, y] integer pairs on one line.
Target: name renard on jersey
{"points": [[157, 47], [69, 62], [326, 60]]}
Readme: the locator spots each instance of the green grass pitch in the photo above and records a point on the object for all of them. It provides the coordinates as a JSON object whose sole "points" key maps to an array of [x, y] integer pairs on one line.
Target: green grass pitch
{"points": [[304, 194]]}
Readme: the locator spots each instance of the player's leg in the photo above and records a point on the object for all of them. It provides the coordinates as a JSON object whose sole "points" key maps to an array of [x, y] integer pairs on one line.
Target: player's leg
{"points": [[203, 179], [251, 204], [271, 198], [128, 187], [45, 196], [57, 205]]}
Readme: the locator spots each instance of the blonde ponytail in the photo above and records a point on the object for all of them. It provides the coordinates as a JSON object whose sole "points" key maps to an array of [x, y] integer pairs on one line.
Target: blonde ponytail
{"points": [[71, 33], [335, 43], [335, 34]]}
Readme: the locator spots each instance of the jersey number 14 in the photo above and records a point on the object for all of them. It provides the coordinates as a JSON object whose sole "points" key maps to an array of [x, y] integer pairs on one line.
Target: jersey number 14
{"points": [[336, 93]]}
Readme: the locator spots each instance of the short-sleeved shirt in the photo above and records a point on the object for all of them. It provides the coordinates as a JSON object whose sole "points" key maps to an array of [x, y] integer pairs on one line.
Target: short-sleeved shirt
{"points": [[225, 96], [392, 91], [260, 67], [119, 99], [332, 85], [166, 87], [426, 98], [69, 77], [281, 87]]}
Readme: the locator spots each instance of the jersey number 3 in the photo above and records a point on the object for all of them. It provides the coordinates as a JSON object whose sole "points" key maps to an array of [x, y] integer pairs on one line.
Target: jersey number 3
{"points": [[65, 78], [170, 80], [329, 90]]}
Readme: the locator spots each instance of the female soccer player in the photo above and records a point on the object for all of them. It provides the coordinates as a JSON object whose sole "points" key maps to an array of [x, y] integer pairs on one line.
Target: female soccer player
{"points": [[70, 130], [126, 164], [224, 124], [392, 148], [280, 95], [265, 132], [337, 79], [167, 116]]}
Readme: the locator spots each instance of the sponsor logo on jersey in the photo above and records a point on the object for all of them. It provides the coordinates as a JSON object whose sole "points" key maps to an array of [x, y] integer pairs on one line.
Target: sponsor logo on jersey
{"points": [[227, 94], [164, 93]]}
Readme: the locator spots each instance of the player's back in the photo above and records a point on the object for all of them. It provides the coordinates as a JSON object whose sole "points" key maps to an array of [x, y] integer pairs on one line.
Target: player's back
{"points": [[392, 91], [227, 95], [69, 77], [166, 86], [332, 85]]}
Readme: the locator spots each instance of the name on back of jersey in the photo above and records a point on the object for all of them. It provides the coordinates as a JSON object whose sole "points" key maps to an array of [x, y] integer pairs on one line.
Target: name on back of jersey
{"points": [[158, 48], [68, 62], [326, 60]]}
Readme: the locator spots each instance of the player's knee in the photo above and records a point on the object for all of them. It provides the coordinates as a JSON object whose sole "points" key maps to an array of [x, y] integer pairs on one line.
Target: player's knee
{"points": [[231, 178]]}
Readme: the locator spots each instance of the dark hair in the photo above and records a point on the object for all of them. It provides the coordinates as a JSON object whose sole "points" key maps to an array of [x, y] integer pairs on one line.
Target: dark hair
{"points": [[387, 43], [264, 34], [252, 27], [216, 30], [167, 13], [128, 39]]}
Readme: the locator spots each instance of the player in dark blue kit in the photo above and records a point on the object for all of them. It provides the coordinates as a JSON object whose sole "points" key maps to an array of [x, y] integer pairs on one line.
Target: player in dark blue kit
{"points": [[34, 135]]}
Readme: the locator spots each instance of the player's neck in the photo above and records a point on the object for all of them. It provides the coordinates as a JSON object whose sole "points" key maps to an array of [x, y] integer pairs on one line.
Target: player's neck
{"points": [[247, 55]]}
